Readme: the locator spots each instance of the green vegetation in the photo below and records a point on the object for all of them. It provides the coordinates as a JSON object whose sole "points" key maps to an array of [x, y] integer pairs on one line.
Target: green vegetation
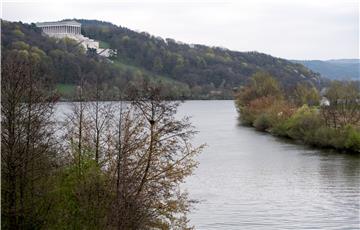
{"points": [[264, 105], [104, 45], [67, 90], [196, 71]]}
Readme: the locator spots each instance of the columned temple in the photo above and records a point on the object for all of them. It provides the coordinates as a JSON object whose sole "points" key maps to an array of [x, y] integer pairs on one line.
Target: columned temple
{"points": [[63, 27], [72, 29]]}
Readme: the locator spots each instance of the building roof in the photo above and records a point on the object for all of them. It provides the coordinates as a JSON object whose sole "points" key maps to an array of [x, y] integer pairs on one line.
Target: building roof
{"points": [[59, 23]]}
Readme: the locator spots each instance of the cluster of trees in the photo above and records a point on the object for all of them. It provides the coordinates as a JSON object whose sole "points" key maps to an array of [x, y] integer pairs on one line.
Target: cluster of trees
{"points": [[107, 166], [188, 71], [299, 114]]}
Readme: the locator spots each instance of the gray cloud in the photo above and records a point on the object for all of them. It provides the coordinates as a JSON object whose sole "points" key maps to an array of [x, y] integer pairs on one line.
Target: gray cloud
{"points": [[314, 29]]}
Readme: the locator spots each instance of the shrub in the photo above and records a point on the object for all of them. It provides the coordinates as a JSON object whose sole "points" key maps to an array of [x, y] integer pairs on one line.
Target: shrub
{"points": [[246, 117], [352, 138], [279, 112], [262, 122], [342, 138], [280, 129], [324, 136], [303, 124]]}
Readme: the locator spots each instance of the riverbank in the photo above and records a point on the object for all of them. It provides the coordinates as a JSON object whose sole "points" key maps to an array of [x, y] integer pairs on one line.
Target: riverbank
{"points": [[299, 115], [314, 141]]}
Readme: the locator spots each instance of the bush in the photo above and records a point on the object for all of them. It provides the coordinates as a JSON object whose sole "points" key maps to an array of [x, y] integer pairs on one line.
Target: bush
{"points": [[280, 129], [246, 117], [262, 122], [75, 198], [303, 123], [352, 140], [324, 136]]}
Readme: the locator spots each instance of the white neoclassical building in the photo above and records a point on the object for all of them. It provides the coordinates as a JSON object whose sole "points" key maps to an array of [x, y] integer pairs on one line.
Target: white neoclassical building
{"points": [[72, 29], [59, 29]]}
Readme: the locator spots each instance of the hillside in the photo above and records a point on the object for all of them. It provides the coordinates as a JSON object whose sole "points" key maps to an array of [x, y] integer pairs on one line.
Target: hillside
{"points": [[188, 71], [337, 69]]}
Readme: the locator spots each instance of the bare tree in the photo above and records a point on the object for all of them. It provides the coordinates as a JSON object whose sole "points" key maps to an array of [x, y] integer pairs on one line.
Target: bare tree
{"points": [[88, 129], [164, 160], [126, 212], [77, 123], [344, 104], [143, 155], [26, 141], [101, 116]]}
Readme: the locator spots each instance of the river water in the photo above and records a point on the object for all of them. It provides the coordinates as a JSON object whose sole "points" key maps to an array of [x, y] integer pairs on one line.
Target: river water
{"points": [[251, 180]]}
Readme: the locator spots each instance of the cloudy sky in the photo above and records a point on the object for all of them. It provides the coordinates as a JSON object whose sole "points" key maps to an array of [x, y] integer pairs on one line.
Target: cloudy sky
{"points": [[296, 29]]}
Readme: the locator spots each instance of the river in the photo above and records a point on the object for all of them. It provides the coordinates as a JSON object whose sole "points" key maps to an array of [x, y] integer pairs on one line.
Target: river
{"points": [[252, 180]]}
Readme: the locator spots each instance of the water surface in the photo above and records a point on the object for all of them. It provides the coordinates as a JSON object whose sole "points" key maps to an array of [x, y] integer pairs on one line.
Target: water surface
{"points": [[251, 180]]}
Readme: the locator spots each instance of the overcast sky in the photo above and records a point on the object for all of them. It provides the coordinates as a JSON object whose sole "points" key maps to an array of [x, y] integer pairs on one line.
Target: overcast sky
{"points": [[293, 29]]}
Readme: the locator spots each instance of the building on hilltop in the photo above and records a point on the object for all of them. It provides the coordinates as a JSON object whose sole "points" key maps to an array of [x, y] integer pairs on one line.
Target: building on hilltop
{"points": [[72, 29]]}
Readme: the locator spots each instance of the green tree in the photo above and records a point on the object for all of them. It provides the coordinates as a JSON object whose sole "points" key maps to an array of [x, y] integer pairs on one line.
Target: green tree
{"points": [[305, 94], [261, 84], [157, 66]]}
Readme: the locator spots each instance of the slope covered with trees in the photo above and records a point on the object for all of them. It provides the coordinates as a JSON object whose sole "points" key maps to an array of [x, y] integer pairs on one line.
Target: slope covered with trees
{"points": [[188, 71], [339, 69], [191, 63]]}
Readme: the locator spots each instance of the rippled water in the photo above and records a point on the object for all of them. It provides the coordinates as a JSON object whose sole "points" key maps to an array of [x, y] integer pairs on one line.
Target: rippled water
{"points": [[250, 180]]}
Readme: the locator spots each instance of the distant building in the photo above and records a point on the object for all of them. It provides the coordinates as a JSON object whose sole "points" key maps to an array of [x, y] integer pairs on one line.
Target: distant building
{"points": [[72, 29], [324, 102]]}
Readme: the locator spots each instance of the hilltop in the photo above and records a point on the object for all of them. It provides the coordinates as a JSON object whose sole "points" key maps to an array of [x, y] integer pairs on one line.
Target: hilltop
{"points": [[335, 69], [189, 71]]}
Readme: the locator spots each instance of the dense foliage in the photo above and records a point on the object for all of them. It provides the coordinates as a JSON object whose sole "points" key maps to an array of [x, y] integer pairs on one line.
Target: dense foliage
{"points": [[187, 71], [299, 116]]}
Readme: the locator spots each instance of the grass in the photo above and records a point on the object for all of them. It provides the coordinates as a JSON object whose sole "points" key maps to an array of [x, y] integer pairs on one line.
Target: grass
{"points": [[65, 89], [133, 68], [104, 45]]}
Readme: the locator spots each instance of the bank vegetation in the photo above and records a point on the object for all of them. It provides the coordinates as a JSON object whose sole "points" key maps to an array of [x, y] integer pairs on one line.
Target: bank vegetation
{"points": [[330, 119]]}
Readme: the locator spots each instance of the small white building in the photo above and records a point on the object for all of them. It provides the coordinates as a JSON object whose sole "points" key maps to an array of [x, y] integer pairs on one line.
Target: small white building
{"points": [[324, 102], [72, 29]]}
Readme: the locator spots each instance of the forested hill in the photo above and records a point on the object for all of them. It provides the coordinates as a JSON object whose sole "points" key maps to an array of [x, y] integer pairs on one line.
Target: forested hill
{"points": [[339, 69], [188, 71]]}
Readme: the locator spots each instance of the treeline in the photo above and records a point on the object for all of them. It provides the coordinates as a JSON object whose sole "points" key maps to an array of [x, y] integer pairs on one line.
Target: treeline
{"points": [[328, 120], [107, 166], [187, 71]]}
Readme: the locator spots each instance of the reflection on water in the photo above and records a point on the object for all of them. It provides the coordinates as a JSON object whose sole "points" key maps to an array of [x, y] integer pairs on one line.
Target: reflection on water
{"points": [[251, 180]]}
